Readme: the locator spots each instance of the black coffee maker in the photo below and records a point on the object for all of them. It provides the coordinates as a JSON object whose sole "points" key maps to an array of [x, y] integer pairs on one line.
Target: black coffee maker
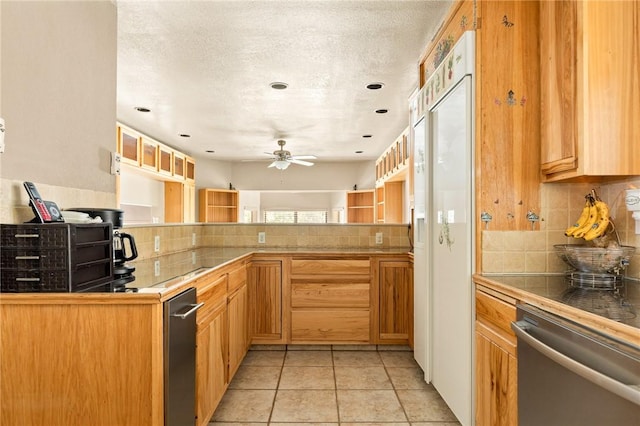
{"points": [[124, 246]]}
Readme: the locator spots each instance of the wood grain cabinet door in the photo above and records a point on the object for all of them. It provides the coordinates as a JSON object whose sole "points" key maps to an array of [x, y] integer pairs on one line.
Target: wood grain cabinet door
{"points": [[395, 302], [264, 284]]}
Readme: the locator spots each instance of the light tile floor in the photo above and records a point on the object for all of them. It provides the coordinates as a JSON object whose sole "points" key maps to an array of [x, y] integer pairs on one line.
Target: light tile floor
{"points": [[331, 385]]}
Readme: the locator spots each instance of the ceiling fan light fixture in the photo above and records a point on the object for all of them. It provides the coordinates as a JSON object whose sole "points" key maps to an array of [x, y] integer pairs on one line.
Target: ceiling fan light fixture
{"points": [[281, 164]]}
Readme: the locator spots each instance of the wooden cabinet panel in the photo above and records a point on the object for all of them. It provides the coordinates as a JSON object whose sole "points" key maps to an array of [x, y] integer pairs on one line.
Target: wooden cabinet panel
{"points": [[264, 284], [507, 114], [495, 311], [237, 277], [329, 326], [211, 363], [314, 267], [395, 304], [212, 292], [238, 336], [340, 295]]}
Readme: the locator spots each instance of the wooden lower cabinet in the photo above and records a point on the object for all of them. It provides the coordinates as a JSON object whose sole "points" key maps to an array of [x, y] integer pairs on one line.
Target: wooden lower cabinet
{"points": [[211, 364], [264, 288], [330, 300], [496, 361], [395, 301]]}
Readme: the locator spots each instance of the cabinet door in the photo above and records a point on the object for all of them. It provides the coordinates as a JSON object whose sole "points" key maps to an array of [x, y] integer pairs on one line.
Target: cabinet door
{"points": [[149, 154], [238, 336], [211, 364], [129, 146], [558, 86], [190, 170], [178, 165], [165, 160], [496, 379], [264, 281], [395, 303]]}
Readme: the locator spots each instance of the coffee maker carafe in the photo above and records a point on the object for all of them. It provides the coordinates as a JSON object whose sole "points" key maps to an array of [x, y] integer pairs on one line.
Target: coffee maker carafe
{"points": [[120, 252]]}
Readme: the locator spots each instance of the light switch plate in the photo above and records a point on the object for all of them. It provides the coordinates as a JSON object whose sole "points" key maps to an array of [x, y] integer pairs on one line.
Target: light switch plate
{"points": [[193, 239], [156, 243], [378, 237], [156, 268], [262, 237]]}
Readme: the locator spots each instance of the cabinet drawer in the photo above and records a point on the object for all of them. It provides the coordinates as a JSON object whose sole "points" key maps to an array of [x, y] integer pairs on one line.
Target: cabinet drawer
{"points": [[322, 295], [237, 278], [330, 325], [330, 267], [495, 311], [211, 293]]}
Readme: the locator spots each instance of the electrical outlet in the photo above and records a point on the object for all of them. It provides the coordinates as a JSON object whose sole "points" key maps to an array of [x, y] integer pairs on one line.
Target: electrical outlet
{"points": [[262, 237], [156, 243], [156, 268], [378, 237], [193, 239]]}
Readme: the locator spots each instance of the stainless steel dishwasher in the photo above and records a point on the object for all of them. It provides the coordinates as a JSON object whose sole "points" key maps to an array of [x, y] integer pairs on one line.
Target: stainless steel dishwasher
{"points": [[180, 359], [571, 375]]}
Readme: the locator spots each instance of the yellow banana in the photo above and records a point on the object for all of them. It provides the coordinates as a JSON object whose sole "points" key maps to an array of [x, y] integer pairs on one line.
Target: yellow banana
{"points": [[581, 220], [601, 224], [591, 220]]}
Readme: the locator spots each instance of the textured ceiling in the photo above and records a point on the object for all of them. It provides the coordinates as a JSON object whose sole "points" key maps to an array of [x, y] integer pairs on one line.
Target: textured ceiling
{"points": [[204, 69]]}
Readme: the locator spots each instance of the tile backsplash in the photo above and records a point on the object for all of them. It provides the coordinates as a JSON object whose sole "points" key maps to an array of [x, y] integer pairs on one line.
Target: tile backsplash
{"points": [[532, 251], [176, 238]]}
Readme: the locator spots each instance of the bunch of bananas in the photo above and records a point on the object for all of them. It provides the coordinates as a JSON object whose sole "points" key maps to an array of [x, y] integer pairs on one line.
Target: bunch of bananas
{"points": [[593, 220]]}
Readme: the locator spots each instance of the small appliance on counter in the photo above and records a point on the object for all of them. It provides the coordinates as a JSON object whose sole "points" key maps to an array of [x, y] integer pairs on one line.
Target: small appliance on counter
{"points": [[56, 257], [124, 246]]}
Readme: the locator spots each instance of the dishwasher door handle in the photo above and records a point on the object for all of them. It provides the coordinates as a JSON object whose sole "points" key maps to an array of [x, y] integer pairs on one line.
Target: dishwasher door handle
{"points": [[624, 391], [193, 309]]}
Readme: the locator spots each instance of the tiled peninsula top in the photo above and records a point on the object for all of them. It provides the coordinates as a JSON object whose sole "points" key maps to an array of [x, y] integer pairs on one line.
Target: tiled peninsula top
{"points": [[175, 269]]}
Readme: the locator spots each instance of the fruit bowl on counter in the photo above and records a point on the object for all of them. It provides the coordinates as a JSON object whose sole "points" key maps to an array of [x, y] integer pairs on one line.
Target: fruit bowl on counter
{"points": [[597, 260]]}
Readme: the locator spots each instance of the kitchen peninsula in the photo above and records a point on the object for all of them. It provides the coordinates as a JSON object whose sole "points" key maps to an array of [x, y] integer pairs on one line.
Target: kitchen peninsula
{"points": [[97, 358]]}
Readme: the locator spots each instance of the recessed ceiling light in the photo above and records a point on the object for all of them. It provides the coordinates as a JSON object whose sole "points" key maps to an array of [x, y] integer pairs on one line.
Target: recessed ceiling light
{"points": [[375, 86], [382, 111], [367, 136], [210, 151], [142, 109], [279, 85], [184, 135], [359, 152]]}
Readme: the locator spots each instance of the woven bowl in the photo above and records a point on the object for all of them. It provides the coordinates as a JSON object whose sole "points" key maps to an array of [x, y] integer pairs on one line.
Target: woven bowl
{"points": [[595, 260]]}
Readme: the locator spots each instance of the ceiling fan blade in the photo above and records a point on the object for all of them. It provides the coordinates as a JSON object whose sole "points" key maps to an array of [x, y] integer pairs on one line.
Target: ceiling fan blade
{"points": [[303, 157], [300, 162]]}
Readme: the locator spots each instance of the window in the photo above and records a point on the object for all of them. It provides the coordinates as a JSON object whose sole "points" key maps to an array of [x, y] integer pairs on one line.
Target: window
{"points": [[295, 216]]}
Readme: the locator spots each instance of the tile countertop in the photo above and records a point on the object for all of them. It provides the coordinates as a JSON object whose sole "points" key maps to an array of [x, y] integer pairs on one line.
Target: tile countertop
{"points": [[178, 268], [545, 291]]}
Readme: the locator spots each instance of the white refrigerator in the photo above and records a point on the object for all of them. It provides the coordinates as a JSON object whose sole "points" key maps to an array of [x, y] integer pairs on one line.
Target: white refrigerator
{"points": [[443, 286]]}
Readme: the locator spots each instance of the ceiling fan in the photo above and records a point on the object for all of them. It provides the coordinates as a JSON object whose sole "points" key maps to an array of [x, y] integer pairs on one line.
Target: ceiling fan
{"points": [[283, 158]]}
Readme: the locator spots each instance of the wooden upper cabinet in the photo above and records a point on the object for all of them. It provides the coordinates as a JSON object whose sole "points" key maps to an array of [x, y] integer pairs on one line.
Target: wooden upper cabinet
{"points": [[129, 145], [589, 89], [149, 154], [178, 165], [190, 169], [165, 160]]}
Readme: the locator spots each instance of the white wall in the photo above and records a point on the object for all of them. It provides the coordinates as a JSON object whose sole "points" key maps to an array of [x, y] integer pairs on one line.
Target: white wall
{"points": [[140, 197], [257, 176], [59, 92]]}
